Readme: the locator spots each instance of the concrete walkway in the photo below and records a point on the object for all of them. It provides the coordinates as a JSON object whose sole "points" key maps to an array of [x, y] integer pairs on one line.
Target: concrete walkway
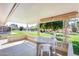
{"points": [[19, 48]]}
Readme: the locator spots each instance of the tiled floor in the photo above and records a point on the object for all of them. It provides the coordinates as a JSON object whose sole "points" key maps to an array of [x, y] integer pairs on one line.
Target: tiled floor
{"points": [[22, 49]]}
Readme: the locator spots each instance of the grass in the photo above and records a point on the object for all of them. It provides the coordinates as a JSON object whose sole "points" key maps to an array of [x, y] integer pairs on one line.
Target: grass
{"points": [[74, 37], [35, 34], [21, 33], [12, 35]]}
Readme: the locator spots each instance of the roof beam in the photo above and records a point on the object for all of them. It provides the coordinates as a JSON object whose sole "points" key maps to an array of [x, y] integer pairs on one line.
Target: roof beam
{"points": [[11, 12], [61, 17]]}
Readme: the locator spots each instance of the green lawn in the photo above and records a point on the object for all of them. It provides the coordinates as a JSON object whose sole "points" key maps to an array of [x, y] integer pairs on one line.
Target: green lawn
{"points": [[74, 37], [18, 33], [35, 34], [21, 33]]}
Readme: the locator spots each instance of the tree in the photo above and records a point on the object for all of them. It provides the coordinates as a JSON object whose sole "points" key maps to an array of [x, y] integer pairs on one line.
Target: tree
{"points": [[21, 28], [57, 25], [42, 25], [14, 26], [52, 25]]}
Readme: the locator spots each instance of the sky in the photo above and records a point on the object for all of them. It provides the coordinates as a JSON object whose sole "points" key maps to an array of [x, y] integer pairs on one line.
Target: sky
{"points": [[20, 24]]}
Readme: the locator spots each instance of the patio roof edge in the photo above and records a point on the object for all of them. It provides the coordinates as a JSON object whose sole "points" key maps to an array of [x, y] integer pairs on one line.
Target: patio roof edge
{"points": [[61, 17]]}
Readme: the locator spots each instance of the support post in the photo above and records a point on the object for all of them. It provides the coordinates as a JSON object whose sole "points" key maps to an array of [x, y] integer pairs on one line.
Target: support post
{"points": [[76, 24], [2, 29], [70, 49], [27, 27], [38, 33], [38, 30], [65, 23]]}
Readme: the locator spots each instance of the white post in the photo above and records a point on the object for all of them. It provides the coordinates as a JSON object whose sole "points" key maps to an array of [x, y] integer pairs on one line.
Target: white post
{"points": [[70, 49], [11, 29], [76, 24], [27, 27], [2, 29], [38, 31]]}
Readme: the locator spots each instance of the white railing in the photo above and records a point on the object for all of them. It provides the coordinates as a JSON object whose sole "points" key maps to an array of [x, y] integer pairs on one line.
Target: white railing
{"points": [[70, 49]]}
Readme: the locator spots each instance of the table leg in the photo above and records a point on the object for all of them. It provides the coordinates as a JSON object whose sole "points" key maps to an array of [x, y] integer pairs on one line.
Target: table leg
{"points": [[37, 49]]}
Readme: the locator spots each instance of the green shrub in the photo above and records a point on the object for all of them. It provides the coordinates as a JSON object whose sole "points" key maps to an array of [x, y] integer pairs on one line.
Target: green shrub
{"points": [[59, 35], [76, 47], [59, 38]]}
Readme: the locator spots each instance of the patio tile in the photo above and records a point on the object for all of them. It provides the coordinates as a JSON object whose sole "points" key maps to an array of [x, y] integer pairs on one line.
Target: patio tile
{"points": [[23, 49]]}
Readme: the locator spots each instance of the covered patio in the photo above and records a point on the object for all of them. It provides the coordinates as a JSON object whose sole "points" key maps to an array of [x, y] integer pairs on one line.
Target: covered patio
{"points": [[36, 13]]}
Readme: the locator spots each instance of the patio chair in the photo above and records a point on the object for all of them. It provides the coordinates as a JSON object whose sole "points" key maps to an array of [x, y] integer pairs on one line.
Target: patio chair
{"points": [[53, 42], [45, 51]]}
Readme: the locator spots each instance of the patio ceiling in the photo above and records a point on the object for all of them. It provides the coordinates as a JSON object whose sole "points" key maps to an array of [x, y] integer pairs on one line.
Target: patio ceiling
{"points": [[32, 12], [4, 11]]}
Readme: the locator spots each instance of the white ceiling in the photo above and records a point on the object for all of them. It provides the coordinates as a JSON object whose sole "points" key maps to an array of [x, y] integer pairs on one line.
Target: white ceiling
{"points": [[4, 11], [33, 12]]}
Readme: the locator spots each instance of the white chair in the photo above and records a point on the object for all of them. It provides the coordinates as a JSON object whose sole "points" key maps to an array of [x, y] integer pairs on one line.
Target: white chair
{"points": [[53, 42], [45, 48]]}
